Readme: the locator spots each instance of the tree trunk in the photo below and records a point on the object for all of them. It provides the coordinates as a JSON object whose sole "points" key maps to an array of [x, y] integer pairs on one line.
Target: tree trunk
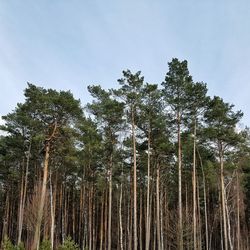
{"points": [[194, 191], [238, 209], [205, 201], [23, 200], [148, 193], [223, 199], [52, 214], [158, 206], [101, 222], [36, 241], [180, 222], [110, 205], [120, 217], [135, 180]]}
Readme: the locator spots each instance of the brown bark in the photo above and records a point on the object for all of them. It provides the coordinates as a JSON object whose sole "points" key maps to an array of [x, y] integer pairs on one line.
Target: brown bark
{"points": [[135, 180], [148, 193], [36, 241], [180, 222], [223, 198], [194, 191], [158, 207], [23, 196], [110, 204]]}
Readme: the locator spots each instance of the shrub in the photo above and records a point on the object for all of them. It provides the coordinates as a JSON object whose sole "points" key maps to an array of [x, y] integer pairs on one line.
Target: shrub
{"points": [[45, 245], [69, 244]]}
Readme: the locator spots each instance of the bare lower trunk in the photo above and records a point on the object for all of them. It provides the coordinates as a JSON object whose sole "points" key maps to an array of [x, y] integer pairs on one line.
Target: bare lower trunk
{"points": [[120, 216], [194, 192], [23, 197], [52, 215], [141, 215], [36, 240], [110, 206], [223, 199], [228, 225], [148, 192], [238, 209], [101, 222], [135, 181], [180, 222], [158, 207], [6, 217], [205, 201]]}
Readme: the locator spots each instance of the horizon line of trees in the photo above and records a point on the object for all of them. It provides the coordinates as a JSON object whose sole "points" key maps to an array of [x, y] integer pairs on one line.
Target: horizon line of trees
{"points": [[140, 167]]}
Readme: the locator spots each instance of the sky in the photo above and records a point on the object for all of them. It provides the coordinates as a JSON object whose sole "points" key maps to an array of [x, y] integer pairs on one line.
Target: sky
{"points": [[70, 44]]}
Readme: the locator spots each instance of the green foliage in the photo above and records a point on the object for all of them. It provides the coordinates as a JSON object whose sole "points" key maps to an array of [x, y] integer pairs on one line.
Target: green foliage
{"points": [[175, 85], [68, 244], [7, 244], [45, 245], [20, 246]]}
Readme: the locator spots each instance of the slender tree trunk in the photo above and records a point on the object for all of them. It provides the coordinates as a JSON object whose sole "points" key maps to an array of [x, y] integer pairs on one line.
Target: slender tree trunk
{"points": [[21, 205], [6, 216], [228, 224], [180, 224], [223, 198], [238, 209], [36, 240], [101, 222], [130, 224], [110, 205], [161, 219], [90, 217], [194, 190], [23, 200], [135, 180], [187, 238], [205, 202], [199, 237], [141, 216], [148, 193], [158, 206], [120, 217], [52, 215]]}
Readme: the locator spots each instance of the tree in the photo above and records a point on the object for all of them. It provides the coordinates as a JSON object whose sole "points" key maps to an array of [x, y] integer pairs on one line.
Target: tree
{"points": [[109, 114], [174, 91], [221, 130], [196, 100], [51, 112], [130, 93]]}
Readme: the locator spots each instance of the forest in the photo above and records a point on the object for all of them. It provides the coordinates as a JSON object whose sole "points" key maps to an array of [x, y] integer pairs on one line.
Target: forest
{"points": [[142, 166]]}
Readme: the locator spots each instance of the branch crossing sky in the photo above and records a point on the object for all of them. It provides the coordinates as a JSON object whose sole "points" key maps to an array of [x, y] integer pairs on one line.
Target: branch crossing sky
{"points": [[69, 44]]}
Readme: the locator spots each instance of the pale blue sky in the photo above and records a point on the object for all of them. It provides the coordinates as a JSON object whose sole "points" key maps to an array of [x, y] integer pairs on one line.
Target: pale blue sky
{"points": [[69, 44]]}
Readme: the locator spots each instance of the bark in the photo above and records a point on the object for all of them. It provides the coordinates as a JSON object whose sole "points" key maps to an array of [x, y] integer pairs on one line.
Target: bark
{"points": [[158, 207], [223, 198], [141, 216], [135, 180], [52, 214], [6, 216], [36, 241], [238, 210], [180, 222], [120, 218], [148, 193], [194, 191], [101, 226], [205, 202], [23, 197], [110, 205]]}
